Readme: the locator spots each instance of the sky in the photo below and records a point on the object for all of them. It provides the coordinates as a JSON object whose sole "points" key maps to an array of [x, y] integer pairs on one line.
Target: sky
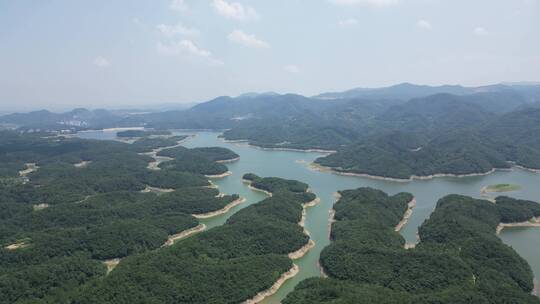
{"points": [[61, 54]]}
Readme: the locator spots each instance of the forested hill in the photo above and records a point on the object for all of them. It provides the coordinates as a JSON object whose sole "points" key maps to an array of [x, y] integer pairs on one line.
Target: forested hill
{"points": [[384, 133], [227, 264], [70, 204], [477, 148], [459, 258]]}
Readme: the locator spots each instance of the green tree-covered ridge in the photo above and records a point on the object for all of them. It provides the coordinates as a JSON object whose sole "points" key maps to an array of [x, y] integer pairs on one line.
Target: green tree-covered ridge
{"points": [[458, 260], [227, 264], [60, 222]]}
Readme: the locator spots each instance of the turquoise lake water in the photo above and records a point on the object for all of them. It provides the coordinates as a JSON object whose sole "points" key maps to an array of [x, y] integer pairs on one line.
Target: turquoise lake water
{"points": [[295, 165]]}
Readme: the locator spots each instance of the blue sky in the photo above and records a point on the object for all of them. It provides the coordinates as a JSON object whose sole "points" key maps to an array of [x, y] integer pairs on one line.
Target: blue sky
{"points": [[61, 54]]}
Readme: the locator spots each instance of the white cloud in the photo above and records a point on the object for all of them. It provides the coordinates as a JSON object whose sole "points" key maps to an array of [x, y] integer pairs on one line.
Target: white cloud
{"points": [[371, 3], [234, 10], [246, 39], [480, 31], [179, 5], [348, 22], [291, 68], [101, 62], [179, 29], [424, 24], [187, 47]]}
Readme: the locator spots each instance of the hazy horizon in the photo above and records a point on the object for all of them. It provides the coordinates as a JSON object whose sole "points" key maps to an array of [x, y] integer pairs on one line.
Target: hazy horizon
{"points": [[60, 55]]}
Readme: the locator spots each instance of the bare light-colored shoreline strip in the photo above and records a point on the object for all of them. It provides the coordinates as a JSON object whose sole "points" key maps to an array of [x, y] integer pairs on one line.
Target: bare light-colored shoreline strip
{"points": [[220, 211], [527, 169], [272, 290], [292, 255], [245, 143], [295, 255], [332, 215], [321, 270], [252, 188], [536, 288], [305, 206], [302, 223], [534, 222], [331, 221], [161, 159], [322, 151], [406, 216], [321, 168], [219, 175], [226, 161], [184, 234]]}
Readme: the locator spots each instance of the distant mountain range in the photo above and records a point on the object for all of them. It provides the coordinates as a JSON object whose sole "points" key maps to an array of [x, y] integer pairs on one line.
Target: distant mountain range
{"points": [[398, 131], [228, 112], [528, 91]]}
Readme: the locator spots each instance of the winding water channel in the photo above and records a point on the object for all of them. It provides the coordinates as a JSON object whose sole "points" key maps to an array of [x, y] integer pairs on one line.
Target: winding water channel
{"points": [[295, 165]]}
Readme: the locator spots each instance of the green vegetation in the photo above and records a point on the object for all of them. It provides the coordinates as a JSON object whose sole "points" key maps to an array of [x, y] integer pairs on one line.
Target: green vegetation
{"points": [[275, 184], [227, 264], [89, 214], [197, 160], [393, 156], [502, 188], [459, 258]]}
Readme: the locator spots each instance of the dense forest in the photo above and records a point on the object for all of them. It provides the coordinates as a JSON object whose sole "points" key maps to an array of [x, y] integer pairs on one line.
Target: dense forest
{"points": [[459, 258], [197, 160], [227, 264], [82, 203], [432, 143]]}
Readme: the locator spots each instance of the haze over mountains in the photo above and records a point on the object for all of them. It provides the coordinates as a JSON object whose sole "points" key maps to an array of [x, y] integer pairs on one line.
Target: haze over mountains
{"points": [[400, 131], [497, 98]]}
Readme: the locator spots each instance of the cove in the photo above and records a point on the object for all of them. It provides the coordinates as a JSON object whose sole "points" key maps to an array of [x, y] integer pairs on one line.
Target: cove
{"points": [[295, 165]]}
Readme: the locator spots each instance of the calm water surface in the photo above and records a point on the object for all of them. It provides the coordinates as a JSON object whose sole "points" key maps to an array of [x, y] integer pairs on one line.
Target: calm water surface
{"points": [[295, 165]]}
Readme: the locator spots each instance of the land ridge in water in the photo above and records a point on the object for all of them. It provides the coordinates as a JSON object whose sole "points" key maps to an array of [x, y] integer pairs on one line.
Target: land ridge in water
{"points": [[64, 220], [361, 261], [243, 260]]}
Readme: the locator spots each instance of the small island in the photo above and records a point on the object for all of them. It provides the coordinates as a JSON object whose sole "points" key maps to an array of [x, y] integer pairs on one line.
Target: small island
{"points": [[500, 188]]}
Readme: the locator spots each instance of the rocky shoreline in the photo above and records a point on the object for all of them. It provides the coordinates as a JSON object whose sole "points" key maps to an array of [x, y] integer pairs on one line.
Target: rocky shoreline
{"points": [[321, 168], [220, 211], [406, 216], [292, 255], [219, 175], [226, 161], [184, 234], [534, 222], [272, 290]]}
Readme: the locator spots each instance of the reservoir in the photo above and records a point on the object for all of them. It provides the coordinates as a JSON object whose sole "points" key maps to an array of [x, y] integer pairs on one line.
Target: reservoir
{"points": [[295, 165]]}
